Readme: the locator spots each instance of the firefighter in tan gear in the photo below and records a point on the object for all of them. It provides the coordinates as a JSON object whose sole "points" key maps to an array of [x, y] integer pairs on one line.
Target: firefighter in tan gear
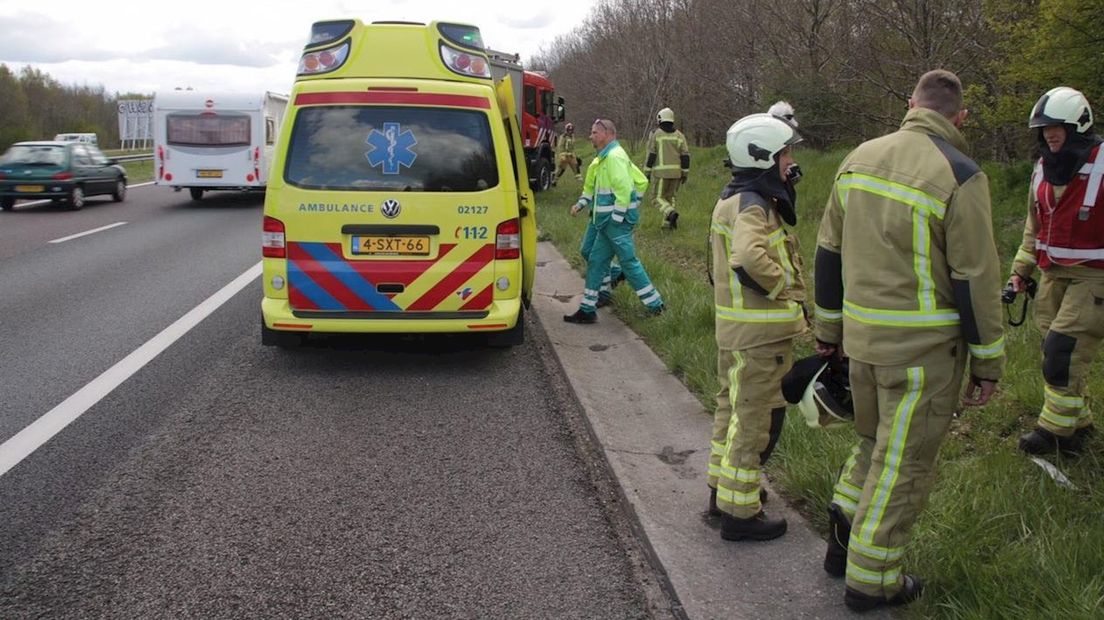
{"points": [[907, 286], [1064, 237], [668, 163], [759, 310], [565, 154]]}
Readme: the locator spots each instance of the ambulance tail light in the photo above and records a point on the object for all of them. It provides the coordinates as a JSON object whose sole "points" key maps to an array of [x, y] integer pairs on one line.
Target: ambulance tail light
{"points": [[508, 240], [465, 63], [272, 238], [323, 61]]}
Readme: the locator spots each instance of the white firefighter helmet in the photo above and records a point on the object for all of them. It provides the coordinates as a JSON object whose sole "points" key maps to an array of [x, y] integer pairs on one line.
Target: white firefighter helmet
{"points": [[1062, 105], [569, 128], [827, 399], [784, 111], [666, 115], [756, 140]]}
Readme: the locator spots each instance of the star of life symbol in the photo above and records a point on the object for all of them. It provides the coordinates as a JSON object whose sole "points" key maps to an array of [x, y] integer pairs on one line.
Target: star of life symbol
{"points": [[391, 148]]}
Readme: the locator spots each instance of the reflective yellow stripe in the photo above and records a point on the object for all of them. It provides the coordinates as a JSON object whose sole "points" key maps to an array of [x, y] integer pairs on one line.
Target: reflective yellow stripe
{"points": [[717, 448], [900, 318], [848, 505], [921, 261], [988, 351], [875, 578], [1023, 256], [894, 191], [791, 313], [876, 553], [1062, 400], [834, 316], [1058, 419], [898, 437], [739, 498]]}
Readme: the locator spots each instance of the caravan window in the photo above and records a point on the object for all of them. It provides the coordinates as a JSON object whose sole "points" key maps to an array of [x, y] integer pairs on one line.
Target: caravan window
{"points": [[391, 149], [207, 129]]}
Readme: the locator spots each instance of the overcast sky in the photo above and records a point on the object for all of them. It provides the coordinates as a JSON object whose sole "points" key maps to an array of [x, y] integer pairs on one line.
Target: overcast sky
{"points": [[145, 47]]}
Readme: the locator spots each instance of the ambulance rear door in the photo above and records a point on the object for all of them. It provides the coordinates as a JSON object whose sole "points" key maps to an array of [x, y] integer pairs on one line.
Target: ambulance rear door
{"points": [[527, 204]]}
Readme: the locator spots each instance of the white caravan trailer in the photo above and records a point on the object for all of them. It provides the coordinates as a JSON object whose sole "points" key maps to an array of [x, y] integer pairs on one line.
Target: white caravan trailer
{"points": [[215, 141]]}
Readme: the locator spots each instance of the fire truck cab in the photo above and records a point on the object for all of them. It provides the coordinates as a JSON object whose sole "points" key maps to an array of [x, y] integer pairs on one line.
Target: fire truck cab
{"points": [[399, 199]]}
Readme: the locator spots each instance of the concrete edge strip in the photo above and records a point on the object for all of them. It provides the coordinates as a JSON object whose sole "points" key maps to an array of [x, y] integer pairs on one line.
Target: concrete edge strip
{"points": [[624, 505]]}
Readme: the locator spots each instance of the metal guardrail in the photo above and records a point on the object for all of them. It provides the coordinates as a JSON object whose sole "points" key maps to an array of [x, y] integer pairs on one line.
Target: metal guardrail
{"points": [[126, 158]]}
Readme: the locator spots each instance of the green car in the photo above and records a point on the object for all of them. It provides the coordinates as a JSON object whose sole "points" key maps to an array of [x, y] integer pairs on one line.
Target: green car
{"points": [[66, 172]]}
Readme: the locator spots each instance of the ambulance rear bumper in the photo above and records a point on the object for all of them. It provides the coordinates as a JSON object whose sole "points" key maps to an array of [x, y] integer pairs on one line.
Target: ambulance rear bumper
{"points": [[279, 316]]}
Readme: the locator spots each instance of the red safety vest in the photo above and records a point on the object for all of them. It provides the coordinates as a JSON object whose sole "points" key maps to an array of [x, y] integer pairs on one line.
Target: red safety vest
{"points": [[1071, 229]]}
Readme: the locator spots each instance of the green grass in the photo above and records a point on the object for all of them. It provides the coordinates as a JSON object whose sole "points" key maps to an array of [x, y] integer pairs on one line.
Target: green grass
{"points": [[999, 538]]}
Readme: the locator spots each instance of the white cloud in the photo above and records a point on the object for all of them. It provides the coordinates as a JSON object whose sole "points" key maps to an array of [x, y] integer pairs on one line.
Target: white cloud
{"points": [[222, 45]]}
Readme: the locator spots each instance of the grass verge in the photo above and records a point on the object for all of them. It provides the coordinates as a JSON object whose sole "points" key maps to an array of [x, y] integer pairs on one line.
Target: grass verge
{"points": [[999, 538]]}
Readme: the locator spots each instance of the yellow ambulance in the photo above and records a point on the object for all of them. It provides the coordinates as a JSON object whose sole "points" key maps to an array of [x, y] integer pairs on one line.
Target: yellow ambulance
{"points": [[398, 201]]}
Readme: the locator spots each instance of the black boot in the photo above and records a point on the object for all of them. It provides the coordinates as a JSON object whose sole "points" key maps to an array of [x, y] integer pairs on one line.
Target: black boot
{"points": [[713, 510], [759, 527], [672, 219], [839, 533], [581, 317], [909, 592], [1042, 441]]}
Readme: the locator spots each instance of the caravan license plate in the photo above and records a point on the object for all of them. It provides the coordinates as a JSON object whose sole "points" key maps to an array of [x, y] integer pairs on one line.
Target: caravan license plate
{"points": [[401, 246], [209, 174]]}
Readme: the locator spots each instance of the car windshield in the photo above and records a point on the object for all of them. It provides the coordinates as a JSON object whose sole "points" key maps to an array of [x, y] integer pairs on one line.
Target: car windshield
{"points": [[391, 149], [42, 154]]}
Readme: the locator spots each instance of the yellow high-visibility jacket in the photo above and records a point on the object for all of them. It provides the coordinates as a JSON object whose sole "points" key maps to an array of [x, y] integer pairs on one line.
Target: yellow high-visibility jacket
{"points": [[758, 290], [668, 155], [906, 259]]}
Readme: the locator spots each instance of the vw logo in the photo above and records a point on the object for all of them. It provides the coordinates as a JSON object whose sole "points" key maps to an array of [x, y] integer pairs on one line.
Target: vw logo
{"points": [[390, 208]]}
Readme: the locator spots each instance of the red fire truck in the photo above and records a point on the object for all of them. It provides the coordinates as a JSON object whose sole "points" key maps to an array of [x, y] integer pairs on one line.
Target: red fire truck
{"points": [[536, 97]]}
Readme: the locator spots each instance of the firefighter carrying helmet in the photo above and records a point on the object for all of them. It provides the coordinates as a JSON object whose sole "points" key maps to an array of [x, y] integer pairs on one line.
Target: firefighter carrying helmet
{"points": [[666, 115], [821, 389], [1062, 106], [756, 140]]}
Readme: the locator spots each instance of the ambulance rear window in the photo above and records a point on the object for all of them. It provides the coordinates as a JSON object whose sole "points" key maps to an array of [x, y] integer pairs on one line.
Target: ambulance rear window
{"points": [[391, 149]]}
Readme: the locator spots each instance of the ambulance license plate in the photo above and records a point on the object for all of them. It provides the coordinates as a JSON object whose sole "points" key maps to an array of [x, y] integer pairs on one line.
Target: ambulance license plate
{"points": [[209, 174], [393, 246], [29, 189]]}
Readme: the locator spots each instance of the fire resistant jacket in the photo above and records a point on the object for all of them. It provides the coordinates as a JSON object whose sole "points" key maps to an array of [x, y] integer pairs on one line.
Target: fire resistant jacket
{"points": [[920, 265], [668, 155], [613, 187], [758, 291], [1064, 232]]}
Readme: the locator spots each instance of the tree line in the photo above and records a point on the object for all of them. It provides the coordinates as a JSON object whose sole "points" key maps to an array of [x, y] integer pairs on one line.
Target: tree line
{"points": [[847, 66], [35, 106]]}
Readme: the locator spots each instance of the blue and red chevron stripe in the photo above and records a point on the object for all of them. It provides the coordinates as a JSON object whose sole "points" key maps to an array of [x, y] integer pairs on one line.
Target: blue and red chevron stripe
{"points": [[321, 278]]}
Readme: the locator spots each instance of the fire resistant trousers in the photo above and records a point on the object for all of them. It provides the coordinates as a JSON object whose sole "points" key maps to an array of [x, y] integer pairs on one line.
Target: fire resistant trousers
{"points": [[665, 195], [750, 406], [1070, 312], [616, 239], [902, 414]]}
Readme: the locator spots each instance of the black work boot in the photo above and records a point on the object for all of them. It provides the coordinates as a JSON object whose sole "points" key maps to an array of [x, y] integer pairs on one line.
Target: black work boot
{"points": [[1042, 441], [672, 219], [581, 317], [909, 592], [759, 527], [839, 534]]}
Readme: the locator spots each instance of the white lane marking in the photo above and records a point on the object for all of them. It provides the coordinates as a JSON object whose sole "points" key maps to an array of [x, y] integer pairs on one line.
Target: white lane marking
{"points": [[87, 232], [25, 442]]}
